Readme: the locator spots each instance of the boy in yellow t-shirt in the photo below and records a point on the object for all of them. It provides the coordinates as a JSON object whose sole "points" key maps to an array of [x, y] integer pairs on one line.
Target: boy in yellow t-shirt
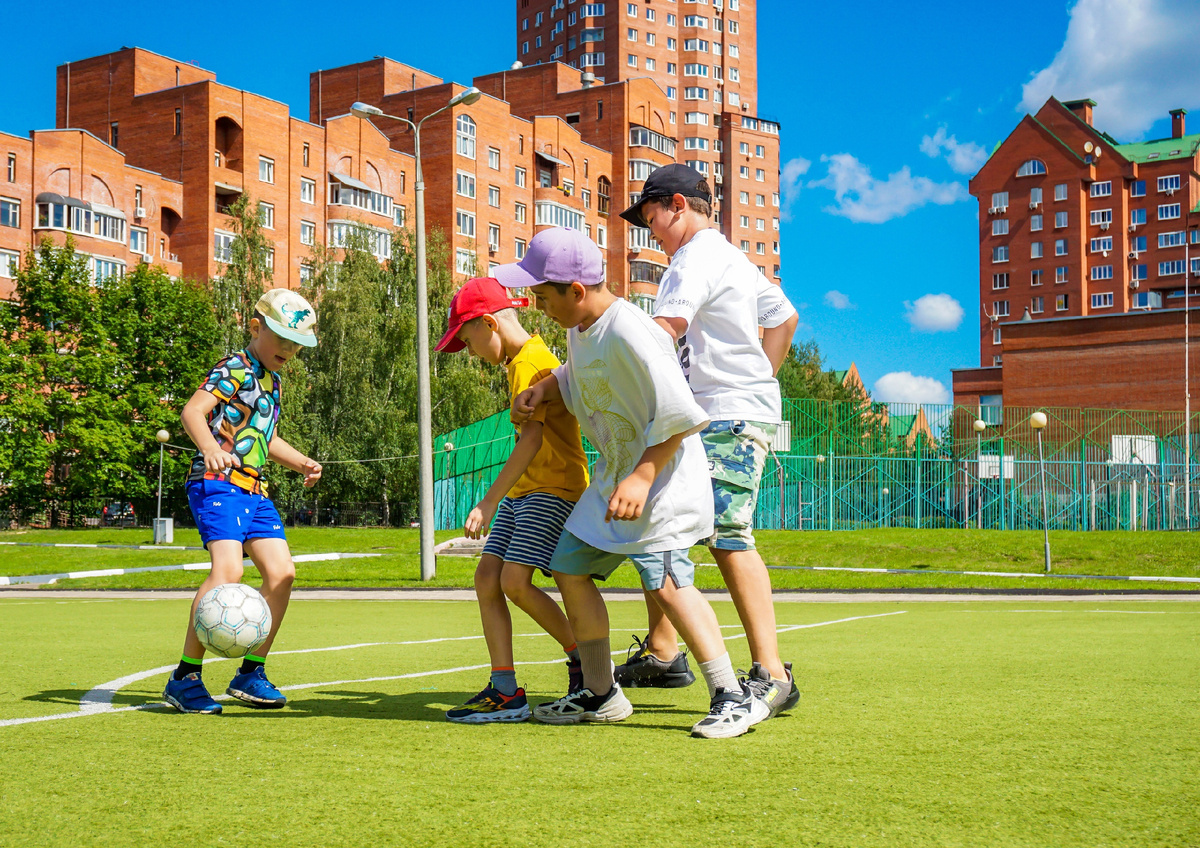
{"points": [[529, 502]]}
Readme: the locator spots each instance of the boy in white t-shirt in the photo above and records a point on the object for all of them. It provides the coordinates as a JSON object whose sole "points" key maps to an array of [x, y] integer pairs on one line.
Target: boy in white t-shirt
{"points": [[648, 498], [712, 300]]}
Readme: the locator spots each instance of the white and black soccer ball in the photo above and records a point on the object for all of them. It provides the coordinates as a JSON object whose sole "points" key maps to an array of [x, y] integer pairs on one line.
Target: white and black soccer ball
{"points": [[232, 620]]}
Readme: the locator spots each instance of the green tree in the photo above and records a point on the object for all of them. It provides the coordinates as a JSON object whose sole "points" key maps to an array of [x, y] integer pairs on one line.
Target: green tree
{"points": [[246, 275], [803, 376]]}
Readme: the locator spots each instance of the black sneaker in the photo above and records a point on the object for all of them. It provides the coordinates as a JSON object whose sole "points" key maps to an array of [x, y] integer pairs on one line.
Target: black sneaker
{"points": [[793, 696], [642, 669]]}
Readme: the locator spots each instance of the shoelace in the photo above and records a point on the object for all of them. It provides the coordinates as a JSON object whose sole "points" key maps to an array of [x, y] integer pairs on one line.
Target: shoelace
{"points": [[757, 686], [633, 654]]}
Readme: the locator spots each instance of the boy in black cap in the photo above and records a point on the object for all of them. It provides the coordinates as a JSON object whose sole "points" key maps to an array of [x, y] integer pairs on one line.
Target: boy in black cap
{"points": [[712, 301]]}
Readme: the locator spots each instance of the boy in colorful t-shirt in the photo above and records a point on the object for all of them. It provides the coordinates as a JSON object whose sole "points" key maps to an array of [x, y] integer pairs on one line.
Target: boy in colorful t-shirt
{"points": [[232, 419], [529, 501]]}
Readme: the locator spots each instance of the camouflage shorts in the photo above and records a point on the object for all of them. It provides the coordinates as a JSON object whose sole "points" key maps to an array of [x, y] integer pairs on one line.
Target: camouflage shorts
{"points": [[737, 452]]}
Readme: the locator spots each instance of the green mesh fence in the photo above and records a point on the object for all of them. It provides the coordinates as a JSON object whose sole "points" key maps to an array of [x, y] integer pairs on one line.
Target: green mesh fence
{"points": [[850, 465]]}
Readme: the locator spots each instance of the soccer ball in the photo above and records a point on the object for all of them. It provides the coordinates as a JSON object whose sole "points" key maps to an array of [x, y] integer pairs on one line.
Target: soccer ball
{"points": [[232, 620]]}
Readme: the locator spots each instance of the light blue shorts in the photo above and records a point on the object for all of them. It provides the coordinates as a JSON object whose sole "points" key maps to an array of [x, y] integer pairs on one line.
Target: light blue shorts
{"points": [[574, 556]]}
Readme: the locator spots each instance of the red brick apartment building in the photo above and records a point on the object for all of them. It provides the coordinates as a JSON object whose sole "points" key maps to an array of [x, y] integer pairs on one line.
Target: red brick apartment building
{"points": [[1084, 245], [150, 152]]}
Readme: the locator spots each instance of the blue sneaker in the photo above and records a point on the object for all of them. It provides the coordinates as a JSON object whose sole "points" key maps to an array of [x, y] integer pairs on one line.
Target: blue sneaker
{"points": [[254, 688], [189, 695]]}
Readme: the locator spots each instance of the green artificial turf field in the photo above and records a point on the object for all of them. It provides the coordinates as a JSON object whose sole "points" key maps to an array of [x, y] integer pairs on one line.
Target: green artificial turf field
{"points": [[1053, 723]]}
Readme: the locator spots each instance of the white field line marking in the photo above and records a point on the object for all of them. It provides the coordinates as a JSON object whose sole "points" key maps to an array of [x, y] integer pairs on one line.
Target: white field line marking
{"points": [[98, 700], [187, 566]]}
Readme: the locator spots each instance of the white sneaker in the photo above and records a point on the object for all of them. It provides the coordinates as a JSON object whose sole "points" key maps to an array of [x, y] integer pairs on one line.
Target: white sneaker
{"points": [[732, 713], [584, 705]]}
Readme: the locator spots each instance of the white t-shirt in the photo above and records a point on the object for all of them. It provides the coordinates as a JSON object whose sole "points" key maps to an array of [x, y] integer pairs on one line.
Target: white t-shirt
{"points": [[622, 381], [723, 297]]}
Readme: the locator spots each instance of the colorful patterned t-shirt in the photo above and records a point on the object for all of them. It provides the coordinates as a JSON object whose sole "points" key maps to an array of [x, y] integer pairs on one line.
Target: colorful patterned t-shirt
{"points": [[243, 421]]}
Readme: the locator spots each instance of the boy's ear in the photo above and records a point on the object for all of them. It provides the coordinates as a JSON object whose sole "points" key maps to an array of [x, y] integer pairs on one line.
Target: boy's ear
{"points": [[578, 291], [255, 326], [678, 203], [491, 321]]}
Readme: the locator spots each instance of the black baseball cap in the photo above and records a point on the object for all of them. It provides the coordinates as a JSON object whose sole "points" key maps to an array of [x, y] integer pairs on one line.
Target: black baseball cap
{"points": [[669, 181]]}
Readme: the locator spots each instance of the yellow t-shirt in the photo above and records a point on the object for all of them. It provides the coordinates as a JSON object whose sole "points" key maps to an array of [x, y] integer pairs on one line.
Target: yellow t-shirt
{"points": [[560, 467]]}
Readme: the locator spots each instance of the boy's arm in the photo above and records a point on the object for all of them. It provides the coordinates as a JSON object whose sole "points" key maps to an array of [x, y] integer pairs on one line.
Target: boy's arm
{"points": [[280, 451], [528, 445], [543, 391], [777, 340], [675, 327], [629, 498], [194, 417]]}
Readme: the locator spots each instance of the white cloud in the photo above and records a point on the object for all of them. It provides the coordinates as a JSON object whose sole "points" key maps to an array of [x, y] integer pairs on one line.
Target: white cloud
{"points": [[1136, 58], [906, 387], [864, 199], [790, 181], [963, 157], [837, 300], [934, 313]]}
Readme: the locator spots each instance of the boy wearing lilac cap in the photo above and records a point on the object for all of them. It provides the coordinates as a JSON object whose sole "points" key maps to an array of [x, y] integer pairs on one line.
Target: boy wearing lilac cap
{"points": [[648, 498]]}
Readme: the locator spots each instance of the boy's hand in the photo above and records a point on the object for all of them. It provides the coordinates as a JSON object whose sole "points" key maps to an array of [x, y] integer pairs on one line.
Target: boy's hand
{"points": [[480, 520], [216, 461], [629, 499], [311, 469], [524, 404]]}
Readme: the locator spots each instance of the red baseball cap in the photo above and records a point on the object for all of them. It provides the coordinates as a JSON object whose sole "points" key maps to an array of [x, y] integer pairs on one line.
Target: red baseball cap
{"points": [[478, 296]]}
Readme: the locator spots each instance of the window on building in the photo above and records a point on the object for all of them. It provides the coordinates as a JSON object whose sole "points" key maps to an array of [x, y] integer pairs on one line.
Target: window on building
{"points": [[1102, 272], [1060, 191], [399, 215], [1060, 274], [631, 34], [1061, 302], [266, 169], [1000, 200], [519, 213], [1137, 188], [1137, 217], [493, 237], [519, 248], [308, 232], [494, 196], [139, 240], [12, 167], [759, 174], [519, 176], [1170, 268], [1169, 211], [1000, 254], [266, 215], [113, 135], [631, 9], [464, 130], [222, 246], [178, 122], [1100, 216], [494, 158], [1035, 277], [1060, 220], [999, 281], [1102, 189], [1000, 227], [1035, 223], [10, 212], [1037, 305], [1031, 167], [1138, 244], [1169, 184], [1035, 250], [10, 263], [1102, 244], [1101, 300], [603, 190], [999, 308], [308, 190], [1175, 239], [464, 223], [304, 155], [631, 60], [1060, 247], [464, 184], [464, 261]]}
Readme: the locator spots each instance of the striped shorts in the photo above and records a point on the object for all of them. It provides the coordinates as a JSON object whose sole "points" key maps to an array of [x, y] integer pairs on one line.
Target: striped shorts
{"points": [[526, 529]]}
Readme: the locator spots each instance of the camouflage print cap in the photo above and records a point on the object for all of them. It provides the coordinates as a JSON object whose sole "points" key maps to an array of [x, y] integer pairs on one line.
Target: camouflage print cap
{"points": [[289, 315]]}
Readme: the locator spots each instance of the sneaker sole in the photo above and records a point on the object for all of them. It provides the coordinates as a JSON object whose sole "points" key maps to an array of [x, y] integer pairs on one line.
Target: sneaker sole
{"points": [[672, 680], [498, 716], [181, 708], [721, 731], [258, 703]]}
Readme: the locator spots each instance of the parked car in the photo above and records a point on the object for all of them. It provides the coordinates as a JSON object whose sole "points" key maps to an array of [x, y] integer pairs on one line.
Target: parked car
{"points": [[118, 514]]}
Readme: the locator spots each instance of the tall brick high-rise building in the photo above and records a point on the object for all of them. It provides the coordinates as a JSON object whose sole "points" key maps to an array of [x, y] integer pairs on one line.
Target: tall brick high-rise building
{"points": [[704, 57]]}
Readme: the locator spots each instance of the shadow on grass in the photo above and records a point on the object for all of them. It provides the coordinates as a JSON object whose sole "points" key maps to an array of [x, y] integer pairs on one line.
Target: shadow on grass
{"points": [[72, 697]]}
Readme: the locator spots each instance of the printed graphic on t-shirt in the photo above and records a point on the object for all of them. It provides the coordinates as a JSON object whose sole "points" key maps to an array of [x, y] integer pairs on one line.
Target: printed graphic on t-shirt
{"points": [[613, 432]]}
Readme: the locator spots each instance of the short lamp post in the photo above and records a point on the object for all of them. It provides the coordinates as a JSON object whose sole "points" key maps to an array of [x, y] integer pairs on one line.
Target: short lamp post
{"points": [[163, 436], [424, 403], [1038, 422], [164, 531], [980, 425]]}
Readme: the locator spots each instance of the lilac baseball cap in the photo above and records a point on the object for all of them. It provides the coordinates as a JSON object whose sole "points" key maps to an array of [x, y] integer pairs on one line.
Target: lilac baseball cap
{"points": [[557, 255]]}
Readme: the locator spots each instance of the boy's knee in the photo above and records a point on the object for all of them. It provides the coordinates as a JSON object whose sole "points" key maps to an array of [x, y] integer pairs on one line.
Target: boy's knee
{"points": [[487, 578], [516, 580]]}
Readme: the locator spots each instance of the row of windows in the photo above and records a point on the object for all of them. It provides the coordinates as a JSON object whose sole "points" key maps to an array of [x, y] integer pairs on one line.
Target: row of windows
{"points": [[1000, 308], [1137, 188], [1096, 217]]}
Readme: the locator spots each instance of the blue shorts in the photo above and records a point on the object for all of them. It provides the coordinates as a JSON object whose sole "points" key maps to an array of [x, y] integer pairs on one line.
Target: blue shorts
{"points": [[224, 511], [575, 556], [526, 529]]}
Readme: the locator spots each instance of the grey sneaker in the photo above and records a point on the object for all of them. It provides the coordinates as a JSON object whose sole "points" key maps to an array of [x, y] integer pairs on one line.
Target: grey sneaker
{"points": [[732, 713], [584, 705], [642, 669], [775, 694], [793, 696]]}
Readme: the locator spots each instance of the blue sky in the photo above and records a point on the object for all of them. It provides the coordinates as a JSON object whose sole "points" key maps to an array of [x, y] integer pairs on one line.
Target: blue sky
{"points": [[887, 111]]}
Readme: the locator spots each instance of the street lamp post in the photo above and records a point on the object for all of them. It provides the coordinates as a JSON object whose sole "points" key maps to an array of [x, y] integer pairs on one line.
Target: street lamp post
{"points": [[1038, 422], [979, 426], [162, 436], [1187, 382], [424, 403]]}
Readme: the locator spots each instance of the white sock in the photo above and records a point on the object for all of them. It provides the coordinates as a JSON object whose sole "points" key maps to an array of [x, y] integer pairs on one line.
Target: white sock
{"points": [[718, 674]]}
